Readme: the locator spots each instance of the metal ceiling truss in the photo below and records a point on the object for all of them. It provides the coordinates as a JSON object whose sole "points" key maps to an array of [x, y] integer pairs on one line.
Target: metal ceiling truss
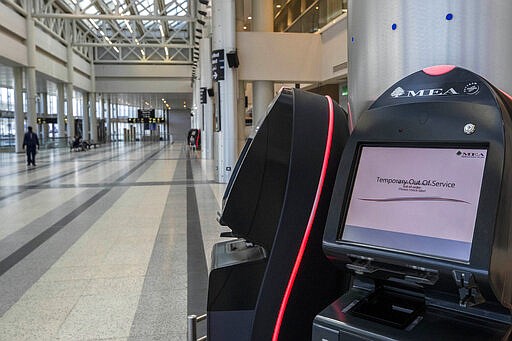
{"points": [[119, 31]]}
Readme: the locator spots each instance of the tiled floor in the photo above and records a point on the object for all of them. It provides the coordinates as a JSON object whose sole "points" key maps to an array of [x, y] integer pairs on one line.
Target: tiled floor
{"points": [[108, 244]]}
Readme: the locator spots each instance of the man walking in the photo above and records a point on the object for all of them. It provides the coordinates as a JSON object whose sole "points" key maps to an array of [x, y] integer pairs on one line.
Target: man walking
{"points": [[31, 141]]}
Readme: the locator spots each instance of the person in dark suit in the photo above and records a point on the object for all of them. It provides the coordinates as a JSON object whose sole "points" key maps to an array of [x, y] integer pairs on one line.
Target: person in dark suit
{"points": [[30, 140]]}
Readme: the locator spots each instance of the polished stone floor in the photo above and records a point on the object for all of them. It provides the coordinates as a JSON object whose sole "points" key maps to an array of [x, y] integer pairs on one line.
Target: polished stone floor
{"points": [[108, 244]]}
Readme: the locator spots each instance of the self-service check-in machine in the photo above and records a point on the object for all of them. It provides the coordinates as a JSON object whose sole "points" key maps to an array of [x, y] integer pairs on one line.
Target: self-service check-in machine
{"points": [[421, 214], [270, 282]]}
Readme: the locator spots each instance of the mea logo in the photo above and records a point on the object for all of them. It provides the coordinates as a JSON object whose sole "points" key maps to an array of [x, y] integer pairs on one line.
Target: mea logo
{"points": [[400, 92], [471, 155]]}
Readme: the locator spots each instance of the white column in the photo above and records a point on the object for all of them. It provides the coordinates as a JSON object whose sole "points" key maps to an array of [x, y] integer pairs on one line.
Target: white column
{"points": [[19, 115], [263, 91], [94, 124], [85, 118], [31, 68], [69, 91], [44, 105], [92, 100], [108, 120], [205, 65], [196, 105], [117, 122], [69, 103], [224, 37], [61, 124]]}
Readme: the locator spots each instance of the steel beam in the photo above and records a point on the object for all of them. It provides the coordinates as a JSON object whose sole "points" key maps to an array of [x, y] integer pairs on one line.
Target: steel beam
{"points": [[81, 16]]}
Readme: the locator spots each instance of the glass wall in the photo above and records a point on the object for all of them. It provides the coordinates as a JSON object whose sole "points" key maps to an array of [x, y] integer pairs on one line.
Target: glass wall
{"points": [[306, 15], [7, 123]]}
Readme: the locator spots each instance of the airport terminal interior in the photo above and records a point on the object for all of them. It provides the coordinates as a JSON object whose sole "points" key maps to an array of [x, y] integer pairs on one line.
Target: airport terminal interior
{"points": [[255, 170]]}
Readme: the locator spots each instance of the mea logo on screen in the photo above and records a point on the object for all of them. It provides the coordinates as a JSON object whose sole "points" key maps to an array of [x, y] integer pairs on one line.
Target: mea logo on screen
{"points": [[471, 155]]}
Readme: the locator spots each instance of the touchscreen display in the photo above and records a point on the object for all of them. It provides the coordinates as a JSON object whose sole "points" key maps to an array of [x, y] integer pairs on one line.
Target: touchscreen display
{"points": [[417, 200]]}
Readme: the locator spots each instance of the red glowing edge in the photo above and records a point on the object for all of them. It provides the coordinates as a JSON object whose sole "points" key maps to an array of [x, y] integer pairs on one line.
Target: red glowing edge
{"points": [[350, 119], [312, 216], [506, 94], [438, 70]]}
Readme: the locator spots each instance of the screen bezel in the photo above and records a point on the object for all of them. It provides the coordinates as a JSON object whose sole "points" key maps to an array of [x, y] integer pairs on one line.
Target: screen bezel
{"points": [[432, 145]]}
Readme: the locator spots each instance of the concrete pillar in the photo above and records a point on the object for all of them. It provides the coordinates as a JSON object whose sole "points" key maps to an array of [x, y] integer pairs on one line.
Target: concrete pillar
{"points": [[61, 123], [38, 128], [69, 91], [199, 124], [168, 125], [31, 68], [44, 107], [117, 121], [205, 62], [108, 119], [224, 37], [92, 100], [263, 91], [70, 116], [19, 115], [85, 119], [93, 127]]}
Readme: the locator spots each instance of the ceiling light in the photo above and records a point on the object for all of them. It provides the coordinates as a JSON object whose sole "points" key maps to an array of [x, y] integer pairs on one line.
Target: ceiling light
{"points": [[249, 18], [245, 27], [278, 6]]}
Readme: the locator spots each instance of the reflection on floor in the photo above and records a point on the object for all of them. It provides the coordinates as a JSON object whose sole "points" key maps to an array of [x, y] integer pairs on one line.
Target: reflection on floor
{"points": [[108, 244]]}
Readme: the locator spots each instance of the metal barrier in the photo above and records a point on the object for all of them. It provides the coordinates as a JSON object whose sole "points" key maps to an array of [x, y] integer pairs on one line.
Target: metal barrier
{"points": [[192, 321]]}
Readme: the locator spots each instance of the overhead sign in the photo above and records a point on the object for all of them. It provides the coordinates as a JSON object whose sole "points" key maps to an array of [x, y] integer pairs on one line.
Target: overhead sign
{"points": [[218, 65], [146, 113], [43, 120], [146, 120]]}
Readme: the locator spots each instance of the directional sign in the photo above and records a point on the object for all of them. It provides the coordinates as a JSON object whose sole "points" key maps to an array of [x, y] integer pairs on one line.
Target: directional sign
{"points": [[146, 120], [218, 65], [146, 113]]}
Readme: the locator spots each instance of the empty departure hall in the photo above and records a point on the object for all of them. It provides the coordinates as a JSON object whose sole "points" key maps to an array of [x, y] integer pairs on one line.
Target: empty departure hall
{"points": [[255, 170], [109, 244]]}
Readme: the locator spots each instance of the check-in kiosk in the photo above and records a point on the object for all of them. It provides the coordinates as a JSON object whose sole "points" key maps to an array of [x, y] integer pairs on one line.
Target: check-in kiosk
{"points": [[271, 281], [421, 214]]}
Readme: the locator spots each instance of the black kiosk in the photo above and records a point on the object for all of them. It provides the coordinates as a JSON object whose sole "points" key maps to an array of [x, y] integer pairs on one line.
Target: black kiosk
{"points": [[270, 282], [421, 214]]}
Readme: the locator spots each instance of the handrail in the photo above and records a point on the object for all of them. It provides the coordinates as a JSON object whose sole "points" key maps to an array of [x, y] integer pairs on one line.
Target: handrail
{"points": [[192, 321]]}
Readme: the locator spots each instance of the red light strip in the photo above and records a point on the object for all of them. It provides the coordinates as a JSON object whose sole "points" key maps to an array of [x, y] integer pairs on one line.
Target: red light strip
{"points": [[438, 70], [506, 94], [350, 119], [298, 260]]}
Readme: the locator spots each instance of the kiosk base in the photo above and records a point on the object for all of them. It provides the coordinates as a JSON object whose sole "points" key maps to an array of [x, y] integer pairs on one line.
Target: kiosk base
{"points": [[345, 319]]}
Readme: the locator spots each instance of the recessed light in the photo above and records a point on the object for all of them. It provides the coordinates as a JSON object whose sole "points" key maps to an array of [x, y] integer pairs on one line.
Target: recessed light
{"points": [[249, 18], [278, 6], [245, 27]]}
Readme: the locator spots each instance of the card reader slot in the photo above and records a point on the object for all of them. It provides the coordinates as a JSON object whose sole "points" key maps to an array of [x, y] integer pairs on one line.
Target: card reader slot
{"points": [[390, 308]]}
